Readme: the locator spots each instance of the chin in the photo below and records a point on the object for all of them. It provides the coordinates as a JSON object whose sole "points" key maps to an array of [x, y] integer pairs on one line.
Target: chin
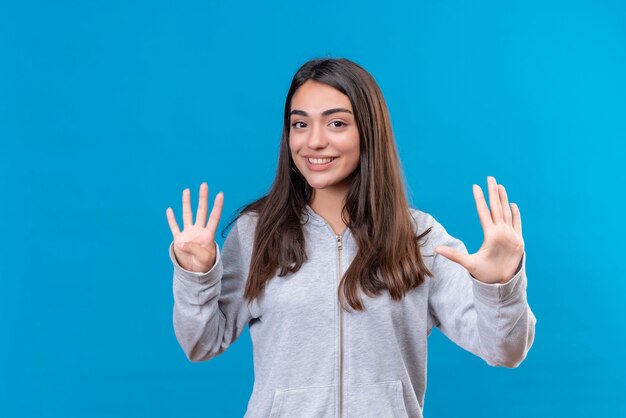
{"points": [[319, 185]]}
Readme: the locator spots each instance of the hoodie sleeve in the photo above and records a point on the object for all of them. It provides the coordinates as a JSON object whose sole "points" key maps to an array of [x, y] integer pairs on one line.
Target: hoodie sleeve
{"points": [[210, 310], [492, 321]]}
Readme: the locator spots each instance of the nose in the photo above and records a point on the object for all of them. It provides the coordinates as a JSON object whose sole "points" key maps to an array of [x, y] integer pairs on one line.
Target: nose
{"points": [[316, 138]]}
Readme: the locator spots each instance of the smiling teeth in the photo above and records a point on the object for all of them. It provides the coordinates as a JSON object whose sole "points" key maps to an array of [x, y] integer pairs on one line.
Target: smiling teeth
{"points": [[320, 160]]}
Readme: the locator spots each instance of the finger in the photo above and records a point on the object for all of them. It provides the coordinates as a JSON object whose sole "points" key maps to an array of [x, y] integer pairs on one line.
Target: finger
{"points": [[504, 202], [494, 200], [186, 209], [216, 212], [454, 255], [171, 220], [481, 207], [202, 204], [517, 218]]}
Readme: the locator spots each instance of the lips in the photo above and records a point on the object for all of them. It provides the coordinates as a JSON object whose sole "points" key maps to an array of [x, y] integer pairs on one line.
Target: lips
{"points": [[319, 167]]}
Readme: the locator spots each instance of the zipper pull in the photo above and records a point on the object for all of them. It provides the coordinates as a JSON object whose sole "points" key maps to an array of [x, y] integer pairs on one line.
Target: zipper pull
{"points": [[339, 242]]}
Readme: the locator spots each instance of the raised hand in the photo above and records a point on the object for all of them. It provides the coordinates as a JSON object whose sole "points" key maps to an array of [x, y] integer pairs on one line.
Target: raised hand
{"points": [[498, 258], [194, 247]]}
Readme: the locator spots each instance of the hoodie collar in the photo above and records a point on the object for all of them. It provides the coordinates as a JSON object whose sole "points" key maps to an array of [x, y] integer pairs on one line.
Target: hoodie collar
{"points": [[314, 217]]}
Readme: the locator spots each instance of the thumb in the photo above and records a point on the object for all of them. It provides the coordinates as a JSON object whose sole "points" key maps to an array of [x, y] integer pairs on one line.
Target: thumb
{"points": [[199, 252], [453, 255]]}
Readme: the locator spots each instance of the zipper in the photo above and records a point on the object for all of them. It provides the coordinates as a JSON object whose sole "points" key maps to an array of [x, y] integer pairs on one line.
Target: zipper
{"points": [[340, 328]]}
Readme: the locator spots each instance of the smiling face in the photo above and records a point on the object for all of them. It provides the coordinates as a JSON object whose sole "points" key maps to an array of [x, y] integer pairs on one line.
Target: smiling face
{"points": [[323, 136]]}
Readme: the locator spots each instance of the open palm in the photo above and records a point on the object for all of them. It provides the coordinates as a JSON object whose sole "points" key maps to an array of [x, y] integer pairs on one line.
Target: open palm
{"points": [[500, 254], [194, 247]]}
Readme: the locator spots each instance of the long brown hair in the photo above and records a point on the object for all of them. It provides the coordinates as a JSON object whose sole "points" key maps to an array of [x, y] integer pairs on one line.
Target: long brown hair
{"points": [[389, 255]]}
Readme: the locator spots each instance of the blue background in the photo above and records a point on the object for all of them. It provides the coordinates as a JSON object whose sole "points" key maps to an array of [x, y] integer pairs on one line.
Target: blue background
{"points": [[108, 110]]}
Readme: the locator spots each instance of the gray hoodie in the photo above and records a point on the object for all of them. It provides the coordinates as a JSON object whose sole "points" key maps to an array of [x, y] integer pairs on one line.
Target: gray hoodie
{"points": [[312, 359]]}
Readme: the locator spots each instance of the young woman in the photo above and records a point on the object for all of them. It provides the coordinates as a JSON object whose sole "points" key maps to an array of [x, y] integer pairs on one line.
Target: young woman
{"points": [[339, 280]]}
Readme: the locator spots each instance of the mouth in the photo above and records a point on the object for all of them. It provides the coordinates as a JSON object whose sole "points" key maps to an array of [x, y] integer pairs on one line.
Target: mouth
{"points": [[320, 161], [317, 164]]}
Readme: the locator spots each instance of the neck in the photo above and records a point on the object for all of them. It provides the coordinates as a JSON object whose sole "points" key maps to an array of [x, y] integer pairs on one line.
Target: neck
{"points": [[329, 203]]}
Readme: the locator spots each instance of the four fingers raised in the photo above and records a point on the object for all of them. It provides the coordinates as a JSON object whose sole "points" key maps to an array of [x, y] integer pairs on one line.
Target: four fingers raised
{"points": [[216, 212], [501, 210]]}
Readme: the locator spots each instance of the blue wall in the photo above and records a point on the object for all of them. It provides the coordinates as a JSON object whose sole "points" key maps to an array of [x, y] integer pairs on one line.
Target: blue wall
{"points": [[108, 110]]}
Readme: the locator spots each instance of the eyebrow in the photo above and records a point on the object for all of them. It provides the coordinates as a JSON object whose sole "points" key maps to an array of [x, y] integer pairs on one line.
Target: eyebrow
{"points": [[324, 113]]}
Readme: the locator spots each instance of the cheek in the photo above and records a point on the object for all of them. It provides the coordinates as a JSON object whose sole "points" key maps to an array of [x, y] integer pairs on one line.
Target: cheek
{"points": [[293, 150], [294, 144], [353, 152]]}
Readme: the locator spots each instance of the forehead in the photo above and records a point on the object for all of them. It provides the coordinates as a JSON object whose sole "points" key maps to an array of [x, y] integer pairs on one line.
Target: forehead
{"points": [[315, 97]]}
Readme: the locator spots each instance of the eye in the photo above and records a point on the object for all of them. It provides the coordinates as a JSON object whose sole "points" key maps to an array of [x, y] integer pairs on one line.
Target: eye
{"points": [[339, 122], [294, 125]]}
